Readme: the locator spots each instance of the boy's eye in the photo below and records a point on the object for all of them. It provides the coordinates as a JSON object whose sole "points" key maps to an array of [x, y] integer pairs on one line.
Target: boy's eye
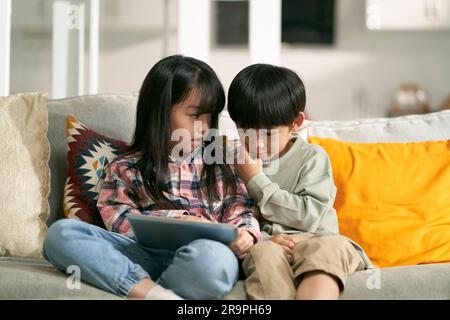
{"points": [[195, 116]]}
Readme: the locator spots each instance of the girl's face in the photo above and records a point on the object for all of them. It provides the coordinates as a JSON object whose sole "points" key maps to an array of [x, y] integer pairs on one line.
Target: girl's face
{"points": [[188, 127]]}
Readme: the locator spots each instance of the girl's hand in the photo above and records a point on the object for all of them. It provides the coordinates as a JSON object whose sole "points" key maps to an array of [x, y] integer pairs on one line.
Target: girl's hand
{"points": [[242, 244], [197, 218], [246, 167], [286, 241]]}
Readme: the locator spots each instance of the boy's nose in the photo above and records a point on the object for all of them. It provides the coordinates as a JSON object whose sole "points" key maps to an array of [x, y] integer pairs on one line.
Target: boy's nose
{"points": [[261, 143]]}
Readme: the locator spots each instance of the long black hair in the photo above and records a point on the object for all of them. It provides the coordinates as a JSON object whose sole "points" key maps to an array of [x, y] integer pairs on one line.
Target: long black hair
{"points": [[169, 82], [265, 96]]}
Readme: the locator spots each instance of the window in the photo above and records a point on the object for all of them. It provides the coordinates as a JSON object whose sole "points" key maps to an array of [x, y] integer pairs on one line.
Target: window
{"points": [[303, 21]]}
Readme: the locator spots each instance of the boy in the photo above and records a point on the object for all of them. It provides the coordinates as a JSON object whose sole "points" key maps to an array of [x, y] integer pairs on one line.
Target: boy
{"points": [[303, 257]]}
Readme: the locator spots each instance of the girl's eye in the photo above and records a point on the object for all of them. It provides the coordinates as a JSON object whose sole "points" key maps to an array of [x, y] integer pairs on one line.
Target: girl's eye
{"points": [[195, 116]]}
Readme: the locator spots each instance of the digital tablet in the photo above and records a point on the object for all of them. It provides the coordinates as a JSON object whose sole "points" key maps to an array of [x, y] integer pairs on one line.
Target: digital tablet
{"points": [[171, 233]]}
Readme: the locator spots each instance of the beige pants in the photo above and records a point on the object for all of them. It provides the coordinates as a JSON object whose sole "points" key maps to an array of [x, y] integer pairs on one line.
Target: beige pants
{"points": [[271, 275]]}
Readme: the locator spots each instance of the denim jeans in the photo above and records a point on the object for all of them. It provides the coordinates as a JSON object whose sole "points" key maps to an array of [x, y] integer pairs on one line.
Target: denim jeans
{"points": [[203, 269]]}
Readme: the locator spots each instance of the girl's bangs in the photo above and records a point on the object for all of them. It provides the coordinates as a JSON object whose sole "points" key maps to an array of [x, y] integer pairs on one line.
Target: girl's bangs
{"points": [[212, 97]]}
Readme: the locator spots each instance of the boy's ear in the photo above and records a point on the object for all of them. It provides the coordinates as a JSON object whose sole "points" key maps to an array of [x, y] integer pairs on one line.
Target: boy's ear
{"points": [[298, 121]]}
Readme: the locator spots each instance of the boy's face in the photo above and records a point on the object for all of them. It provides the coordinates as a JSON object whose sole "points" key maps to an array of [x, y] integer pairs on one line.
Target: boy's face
{"points": [[266, 144]]}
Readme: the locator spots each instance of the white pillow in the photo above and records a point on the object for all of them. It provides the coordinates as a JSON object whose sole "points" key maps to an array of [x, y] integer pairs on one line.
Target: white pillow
{"points": [[24, 174], [412, 128]]}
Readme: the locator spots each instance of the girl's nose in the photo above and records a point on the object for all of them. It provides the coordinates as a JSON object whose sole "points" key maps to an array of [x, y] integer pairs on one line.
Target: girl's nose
{"points": [[205, 126]]}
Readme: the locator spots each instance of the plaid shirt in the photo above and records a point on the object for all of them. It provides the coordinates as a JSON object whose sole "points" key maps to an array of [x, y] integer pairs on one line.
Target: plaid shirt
{"points": [[122, 193]]}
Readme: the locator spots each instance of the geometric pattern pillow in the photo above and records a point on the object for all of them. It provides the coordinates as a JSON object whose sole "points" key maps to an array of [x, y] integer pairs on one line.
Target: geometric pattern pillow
{"points": [[88, 154]]}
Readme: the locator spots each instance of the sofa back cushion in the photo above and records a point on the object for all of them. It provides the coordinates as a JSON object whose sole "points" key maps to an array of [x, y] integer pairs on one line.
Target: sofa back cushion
{"points": [[413, 128], [114, 116], [111, 115]]}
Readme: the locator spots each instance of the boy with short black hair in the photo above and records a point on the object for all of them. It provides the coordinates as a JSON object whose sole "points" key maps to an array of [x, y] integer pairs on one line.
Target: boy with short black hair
{"points": [[304, 256]]}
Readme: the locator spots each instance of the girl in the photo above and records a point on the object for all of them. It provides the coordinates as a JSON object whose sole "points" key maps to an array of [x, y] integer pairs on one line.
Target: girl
{"points": [[179, 94]]}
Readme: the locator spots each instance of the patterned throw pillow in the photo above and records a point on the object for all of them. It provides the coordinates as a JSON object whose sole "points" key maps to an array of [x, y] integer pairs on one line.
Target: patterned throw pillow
{"points": [[88, 154]]}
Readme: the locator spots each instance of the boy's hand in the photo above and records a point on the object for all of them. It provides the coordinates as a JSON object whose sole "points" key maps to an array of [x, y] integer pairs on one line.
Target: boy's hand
{"points": [[286, 241], [242, 244], [246, 167]]}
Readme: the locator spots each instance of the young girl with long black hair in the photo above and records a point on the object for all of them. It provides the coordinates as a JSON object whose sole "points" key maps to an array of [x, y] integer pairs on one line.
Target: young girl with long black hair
{"points": [[178, 94]]}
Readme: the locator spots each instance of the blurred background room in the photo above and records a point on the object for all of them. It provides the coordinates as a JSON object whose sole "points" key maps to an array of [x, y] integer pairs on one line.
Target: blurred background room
{"points": [[358, 59]]}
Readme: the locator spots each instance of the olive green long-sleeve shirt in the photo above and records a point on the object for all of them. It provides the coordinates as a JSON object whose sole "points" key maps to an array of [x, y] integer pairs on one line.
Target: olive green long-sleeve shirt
{"points": [[296, 193]]}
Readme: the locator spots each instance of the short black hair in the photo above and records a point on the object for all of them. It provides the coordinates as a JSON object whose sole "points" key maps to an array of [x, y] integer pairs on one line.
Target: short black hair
{"points": [[265, 96]]}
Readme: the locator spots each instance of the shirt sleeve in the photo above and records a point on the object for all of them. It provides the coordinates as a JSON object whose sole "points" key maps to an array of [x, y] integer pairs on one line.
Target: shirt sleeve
{"points": [[266, 236], [118, 197], [243, 212], [305, 207]]}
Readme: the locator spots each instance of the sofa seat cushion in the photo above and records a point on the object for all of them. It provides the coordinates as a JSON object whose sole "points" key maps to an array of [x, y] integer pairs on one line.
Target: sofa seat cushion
{"points": [[431, 281], [428, 281], [37, 279]]}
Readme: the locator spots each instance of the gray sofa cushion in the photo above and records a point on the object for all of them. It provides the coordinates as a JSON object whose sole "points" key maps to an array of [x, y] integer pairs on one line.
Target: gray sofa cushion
{"points": [[430, 281], [37, 279], [111, 115]]}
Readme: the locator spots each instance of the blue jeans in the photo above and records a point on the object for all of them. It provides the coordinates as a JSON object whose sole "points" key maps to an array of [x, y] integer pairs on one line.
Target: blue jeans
{"points": [[203, 269]]}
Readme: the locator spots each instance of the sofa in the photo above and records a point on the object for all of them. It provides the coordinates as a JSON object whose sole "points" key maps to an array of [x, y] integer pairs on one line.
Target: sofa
{"points": [[113, 115]]}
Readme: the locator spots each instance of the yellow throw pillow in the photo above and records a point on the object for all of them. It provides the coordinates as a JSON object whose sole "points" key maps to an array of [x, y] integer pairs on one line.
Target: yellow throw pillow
{"points": [[393, 198]]}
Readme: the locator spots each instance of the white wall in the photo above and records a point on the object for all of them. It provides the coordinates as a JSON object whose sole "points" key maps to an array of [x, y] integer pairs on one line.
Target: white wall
{"points": [[362, 66], [130, 43]]}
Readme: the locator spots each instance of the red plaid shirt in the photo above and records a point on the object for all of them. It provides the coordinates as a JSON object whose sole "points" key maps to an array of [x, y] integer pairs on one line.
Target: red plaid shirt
{"points": [[122, 193]]}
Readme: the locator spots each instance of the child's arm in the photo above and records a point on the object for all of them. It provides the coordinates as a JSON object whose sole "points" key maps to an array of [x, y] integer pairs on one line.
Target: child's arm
{"points": [[118, 198], [305, 207], [242, 212]]}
